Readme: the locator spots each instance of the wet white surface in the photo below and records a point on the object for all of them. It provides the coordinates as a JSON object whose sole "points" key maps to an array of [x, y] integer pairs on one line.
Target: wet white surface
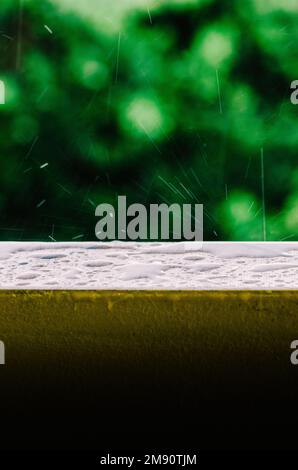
{"points": [[127, 265]]}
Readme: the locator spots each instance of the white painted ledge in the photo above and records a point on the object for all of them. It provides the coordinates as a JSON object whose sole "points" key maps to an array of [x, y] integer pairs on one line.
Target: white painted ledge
{"points": [[127, 266]]}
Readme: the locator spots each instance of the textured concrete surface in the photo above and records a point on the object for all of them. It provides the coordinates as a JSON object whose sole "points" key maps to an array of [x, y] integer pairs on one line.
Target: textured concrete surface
{"points": [[154, 266]]}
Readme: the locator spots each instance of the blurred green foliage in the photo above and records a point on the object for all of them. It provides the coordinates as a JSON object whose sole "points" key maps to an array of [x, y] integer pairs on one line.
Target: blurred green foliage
{"points": [[172, 102]]}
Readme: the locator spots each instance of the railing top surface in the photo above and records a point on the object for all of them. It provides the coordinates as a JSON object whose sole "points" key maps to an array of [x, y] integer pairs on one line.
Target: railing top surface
{"points": [[158, 266]]}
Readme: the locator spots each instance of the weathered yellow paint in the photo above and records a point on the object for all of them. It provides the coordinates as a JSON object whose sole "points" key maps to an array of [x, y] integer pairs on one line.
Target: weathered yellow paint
{"points": [[106, 323], [153, 363]]}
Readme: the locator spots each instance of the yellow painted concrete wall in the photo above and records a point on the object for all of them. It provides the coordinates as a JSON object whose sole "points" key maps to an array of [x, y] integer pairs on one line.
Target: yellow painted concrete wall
{"points": [[147, 363]]}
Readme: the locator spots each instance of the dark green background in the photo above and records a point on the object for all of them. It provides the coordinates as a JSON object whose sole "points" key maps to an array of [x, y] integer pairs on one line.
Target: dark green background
{"points": [[164, 101]]}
